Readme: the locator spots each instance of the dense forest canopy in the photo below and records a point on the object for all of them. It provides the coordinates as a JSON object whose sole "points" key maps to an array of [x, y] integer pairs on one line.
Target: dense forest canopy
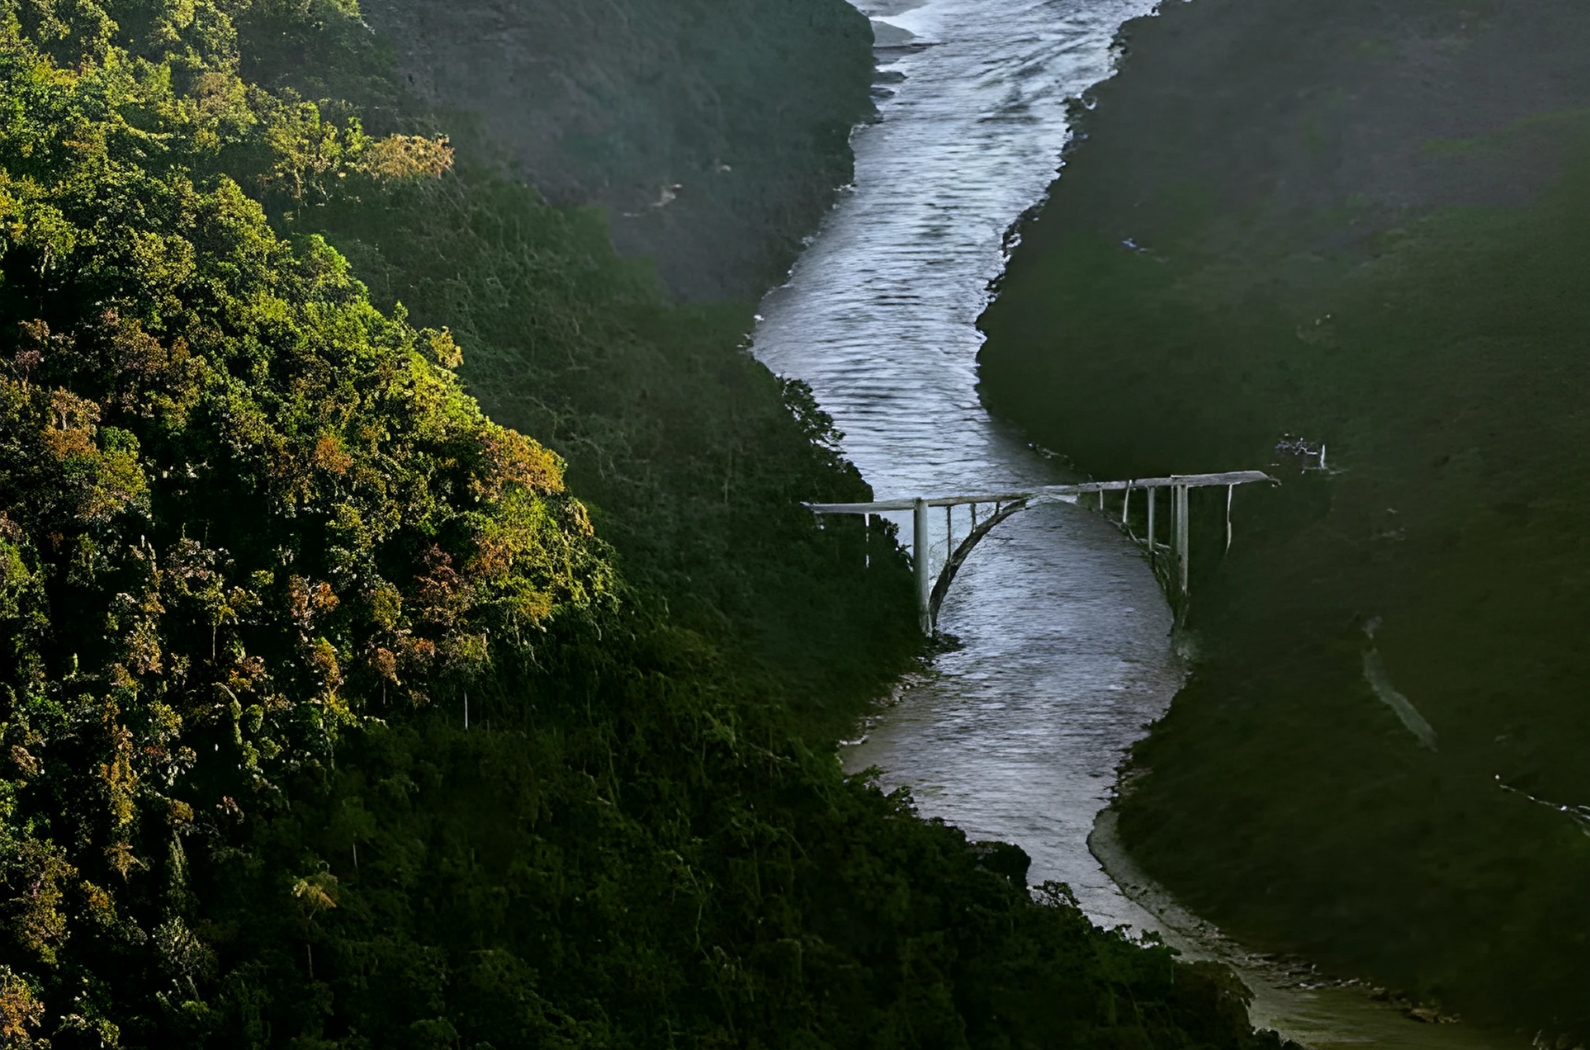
{"points": [[241, 511], [714, 132], [330, 721], [1358, 225]]}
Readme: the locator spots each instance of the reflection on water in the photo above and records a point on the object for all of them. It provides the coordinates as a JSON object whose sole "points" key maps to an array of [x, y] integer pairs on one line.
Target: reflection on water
{"points": [[1065, 649]]}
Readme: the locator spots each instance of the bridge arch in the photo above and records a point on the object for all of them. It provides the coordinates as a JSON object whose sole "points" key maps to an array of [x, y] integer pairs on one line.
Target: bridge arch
{"points": [[957, 558], [932, 588]]}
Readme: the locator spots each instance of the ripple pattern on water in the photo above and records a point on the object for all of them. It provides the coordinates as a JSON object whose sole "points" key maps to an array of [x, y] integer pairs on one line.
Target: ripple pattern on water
{"points": [[1065, 655]]}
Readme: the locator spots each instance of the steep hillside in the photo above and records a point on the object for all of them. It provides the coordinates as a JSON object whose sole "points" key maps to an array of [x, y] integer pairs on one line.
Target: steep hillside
{"points": [[694, 456], [1356, 225], [714, 134], [333, 718]]}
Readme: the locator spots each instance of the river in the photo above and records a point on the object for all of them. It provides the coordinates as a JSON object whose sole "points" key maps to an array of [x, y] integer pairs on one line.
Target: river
{"points": [[1065, 649]]}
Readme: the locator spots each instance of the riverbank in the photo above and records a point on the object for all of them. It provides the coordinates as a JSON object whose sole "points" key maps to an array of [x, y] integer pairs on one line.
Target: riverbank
{"points": [[1359, 227], [1062, 656], [1292, 995]]}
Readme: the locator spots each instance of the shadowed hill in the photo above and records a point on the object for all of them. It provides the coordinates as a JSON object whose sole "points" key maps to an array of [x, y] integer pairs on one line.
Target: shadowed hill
{"points": [[333, 719], [1362, 225], [714, 134]]}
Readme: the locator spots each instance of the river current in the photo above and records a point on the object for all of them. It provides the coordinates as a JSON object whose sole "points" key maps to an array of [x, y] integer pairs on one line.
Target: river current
{"points": [[1065, 651]]}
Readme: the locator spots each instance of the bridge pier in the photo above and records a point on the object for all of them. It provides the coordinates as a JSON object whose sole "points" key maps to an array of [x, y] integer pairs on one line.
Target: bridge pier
{"points": [[1180, 544], [930, 590], [1153, 553], [921, 548]]}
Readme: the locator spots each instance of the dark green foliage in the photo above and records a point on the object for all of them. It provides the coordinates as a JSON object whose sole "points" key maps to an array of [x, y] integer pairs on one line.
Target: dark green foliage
{"points": [[640, 859], [328, 721], [695, 459], [741, 109], [1440, 354]]}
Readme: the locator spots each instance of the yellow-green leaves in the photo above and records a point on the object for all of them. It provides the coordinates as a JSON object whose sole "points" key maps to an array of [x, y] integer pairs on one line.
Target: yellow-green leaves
{"points": [[399, 158], [304, 148], [38, 871], [20, 1011], [240, 508]]}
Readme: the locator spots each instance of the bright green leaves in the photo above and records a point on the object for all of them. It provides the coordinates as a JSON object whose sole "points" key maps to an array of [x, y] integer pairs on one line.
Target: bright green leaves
{"points": [[19, 576], [305, 149], [37, 227], [240, 509], [66, 29], [160, 93]]}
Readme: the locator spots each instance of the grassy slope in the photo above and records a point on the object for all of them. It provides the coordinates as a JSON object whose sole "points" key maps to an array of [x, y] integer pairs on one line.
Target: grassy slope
{"points": [[1332, 252]]}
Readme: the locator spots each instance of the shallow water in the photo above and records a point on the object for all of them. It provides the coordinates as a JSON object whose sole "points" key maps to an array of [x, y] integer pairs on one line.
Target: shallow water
{"points": [[1065, 639]]}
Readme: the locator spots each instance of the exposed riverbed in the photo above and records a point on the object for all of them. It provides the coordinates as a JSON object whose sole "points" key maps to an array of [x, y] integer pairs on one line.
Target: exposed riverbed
{"points": [[1065, 651]]}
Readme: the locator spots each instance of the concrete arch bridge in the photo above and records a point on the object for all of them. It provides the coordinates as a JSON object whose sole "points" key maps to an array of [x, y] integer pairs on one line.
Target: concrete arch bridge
{"points": [[999, 506]]}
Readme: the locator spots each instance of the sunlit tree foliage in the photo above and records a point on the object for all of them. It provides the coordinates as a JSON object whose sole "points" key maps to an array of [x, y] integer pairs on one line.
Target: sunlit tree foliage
{"points": [[241, 510], [260, 553]]}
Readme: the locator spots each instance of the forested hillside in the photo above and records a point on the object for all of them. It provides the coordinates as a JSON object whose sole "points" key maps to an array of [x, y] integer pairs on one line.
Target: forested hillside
{"points": [[713, 133], [1357, 226], [332, 716]]}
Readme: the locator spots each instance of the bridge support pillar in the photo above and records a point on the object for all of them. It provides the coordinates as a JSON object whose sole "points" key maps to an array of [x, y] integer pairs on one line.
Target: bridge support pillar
{"points": [[921, 547], [1153, 536], [1179, 536], [930, 592]]}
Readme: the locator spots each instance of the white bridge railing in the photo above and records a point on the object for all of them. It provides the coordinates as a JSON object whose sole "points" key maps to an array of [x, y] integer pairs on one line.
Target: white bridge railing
{"points": [[930, 592]]}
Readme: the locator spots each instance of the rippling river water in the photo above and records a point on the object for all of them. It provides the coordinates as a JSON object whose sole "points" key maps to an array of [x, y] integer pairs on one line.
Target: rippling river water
{"points": [[1065, 651], [1065, 654]]}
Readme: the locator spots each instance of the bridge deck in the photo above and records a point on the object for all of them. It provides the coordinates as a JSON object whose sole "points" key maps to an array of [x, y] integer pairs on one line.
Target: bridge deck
{"points": [[1049, 492], [930, 595]]}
